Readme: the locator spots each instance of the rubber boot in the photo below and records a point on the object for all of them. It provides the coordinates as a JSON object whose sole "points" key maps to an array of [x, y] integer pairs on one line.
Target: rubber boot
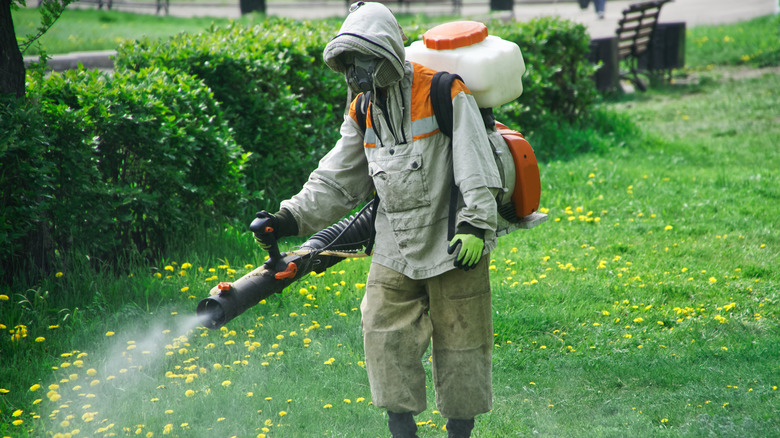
{"points": [[459, 428], [402, 425]]}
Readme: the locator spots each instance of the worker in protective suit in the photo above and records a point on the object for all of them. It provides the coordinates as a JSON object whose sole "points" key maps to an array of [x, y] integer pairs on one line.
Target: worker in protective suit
{"points": [[423, 289]]}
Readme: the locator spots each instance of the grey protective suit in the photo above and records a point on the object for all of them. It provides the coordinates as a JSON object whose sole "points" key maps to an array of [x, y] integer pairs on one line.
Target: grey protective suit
{"points": [[413, 293]]}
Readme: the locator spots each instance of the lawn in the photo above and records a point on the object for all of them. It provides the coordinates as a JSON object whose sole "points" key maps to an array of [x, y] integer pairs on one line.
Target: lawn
{"points": [[80, 30], [648, 305]]}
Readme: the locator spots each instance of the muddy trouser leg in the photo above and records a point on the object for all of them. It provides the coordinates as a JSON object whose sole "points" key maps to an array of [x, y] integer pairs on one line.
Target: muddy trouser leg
{"points": [[461, 314], [396, 333]]}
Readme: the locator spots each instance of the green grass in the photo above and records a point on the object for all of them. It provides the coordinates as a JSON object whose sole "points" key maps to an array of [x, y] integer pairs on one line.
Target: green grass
{"points": [[89, 29], [755, 43], [648, 305]]}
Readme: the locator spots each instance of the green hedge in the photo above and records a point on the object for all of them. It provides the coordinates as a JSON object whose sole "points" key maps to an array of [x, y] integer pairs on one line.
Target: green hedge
{"points": [[283, 104], [110, 163], [558, 84], [207, 127]]}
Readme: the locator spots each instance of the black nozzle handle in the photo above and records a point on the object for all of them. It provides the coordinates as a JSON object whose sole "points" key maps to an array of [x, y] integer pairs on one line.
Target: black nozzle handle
{"points": [[264, 232]]}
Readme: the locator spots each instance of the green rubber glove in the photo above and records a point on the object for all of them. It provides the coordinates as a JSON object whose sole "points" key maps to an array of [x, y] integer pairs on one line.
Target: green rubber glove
{"points": [[470, 251]]}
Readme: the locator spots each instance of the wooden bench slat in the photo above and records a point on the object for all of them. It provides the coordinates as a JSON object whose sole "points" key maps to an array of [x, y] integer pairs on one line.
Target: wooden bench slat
{"points": [[634, 32]]}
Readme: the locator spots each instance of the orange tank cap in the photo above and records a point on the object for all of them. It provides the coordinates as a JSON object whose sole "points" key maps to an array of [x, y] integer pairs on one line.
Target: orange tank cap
{"points": [[455, 35]]}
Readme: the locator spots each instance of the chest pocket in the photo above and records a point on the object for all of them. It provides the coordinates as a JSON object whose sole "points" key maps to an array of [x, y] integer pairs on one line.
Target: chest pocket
{"points": [[400, 182]]}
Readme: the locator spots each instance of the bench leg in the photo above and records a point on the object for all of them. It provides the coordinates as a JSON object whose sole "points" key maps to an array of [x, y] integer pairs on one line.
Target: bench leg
{"points": [[632, 75], [636, 81]]}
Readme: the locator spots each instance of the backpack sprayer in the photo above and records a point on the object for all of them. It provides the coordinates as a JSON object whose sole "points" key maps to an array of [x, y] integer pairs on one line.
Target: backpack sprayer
{"points": [[491, 68]]}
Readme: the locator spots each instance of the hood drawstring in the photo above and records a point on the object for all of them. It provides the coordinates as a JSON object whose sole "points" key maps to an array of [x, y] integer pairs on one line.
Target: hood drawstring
{"points": [[374, 97], [403, 112]]}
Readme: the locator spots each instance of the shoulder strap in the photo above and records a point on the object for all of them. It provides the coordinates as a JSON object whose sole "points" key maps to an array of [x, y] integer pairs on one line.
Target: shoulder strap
{"points": [[441, 100]]}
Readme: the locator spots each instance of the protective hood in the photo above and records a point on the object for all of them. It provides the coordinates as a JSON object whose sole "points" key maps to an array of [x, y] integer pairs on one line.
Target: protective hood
{"points": [[370, 29]]}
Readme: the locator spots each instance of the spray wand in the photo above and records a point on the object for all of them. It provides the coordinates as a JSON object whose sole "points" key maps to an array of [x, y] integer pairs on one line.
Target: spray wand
{"points": [[324, 249]]}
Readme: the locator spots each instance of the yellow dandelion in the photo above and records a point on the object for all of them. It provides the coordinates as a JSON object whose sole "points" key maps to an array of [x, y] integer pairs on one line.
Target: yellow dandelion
{"points": [[4, 297], [189, 393], [109, 333], [328, 406], [226, 383], [35, 387]]}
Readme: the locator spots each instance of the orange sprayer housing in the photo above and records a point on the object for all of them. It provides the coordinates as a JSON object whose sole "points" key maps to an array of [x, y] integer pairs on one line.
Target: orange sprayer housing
{"points": [[528, 187]]}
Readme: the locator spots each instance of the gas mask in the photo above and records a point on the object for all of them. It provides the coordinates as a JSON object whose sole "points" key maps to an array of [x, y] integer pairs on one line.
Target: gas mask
{"points": [[361, 70]]}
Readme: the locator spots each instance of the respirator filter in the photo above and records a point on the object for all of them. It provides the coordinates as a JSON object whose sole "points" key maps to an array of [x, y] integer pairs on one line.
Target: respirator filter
{"points": [[361, 70]]}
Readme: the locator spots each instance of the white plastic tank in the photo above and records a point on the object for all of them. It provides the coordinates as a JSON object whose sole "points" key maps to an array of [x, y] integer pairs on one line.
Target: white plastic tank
{"points": [[491, 67]]}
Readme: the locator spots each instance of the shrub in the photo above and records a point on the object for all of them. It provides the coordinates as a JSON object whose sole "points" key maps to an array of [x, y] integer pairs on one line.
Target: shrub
{"points": [[281, 101], [121, 162], [285, 105], [557, 85], [25, 179], [133, 159]]}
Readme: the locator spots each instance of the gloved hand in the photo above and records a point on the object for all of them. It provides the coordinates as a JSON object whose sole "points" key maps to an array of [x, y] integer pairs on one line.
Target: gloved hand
{"points": [[263, 228], [470, 251], [268, 228]]}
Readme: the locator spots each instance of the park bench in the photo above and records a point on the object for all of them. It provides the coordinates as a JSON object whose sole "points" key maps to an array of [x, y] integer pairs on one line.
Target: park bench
{"points": [[644, 46], [634, 35]]}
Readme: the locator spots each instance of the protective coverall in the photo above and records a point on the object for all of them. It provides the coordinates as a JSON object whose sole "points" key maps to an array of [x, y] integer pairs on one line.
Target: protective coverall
{"points": [[413, 294]]}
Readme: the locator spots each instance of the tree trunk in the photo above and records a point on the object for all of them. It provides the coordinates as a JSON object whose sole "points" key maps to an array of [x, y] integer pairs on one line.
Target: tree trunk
{"points": [[12, 72]]}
